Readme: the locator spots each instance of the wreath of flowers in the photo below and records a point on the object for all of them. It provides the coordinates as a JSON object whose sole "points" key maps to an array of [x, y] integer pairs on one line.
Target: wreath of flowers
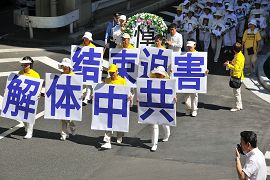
{"points": [[144, 20]]}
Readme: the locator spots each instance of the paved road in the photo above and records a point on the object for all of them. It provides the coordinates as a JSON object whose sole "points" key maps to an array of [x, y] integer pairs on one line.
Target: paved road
{"points": [[199, 148]]}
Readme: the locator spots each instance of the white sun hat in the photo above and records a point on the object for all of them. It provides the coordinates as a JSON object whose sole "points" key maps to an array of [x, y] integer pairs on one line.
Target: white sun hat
{"points": [[65, 62], [123, 17], [160, 70], [191, 43], [88, 35]]}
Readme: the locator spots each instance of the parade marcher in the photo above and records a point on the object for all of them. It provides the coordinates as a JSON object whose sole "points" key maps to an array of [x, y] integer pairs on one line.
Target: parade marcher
{"points": [[257, 8], [114, 78], [217, 32], [27, 70], [198, 10], [109, 43], [190, 26], [219, 6], [174, 39], [211, 5], [230, 32], [87, 38], [255, 165], [247, 6], [237, 66], [191, 99], [66, 66], [177, 18], [261, 25], [180, 21], [205, 23], [240, 12], [118, 30], [159, 72], [250, 42], [159, 41], [126, 41]]}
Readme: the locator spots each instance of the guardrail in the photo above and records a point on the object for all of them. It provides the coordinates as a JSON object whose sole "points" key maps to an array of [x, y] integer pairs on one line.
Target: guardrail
{"points": [[21, 18]]}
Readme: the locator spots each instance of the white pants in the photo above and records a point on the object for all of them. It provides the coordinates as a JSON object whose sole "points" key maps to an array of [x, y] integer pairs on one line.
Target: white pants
{"points": [[204, 36], [191, 101], [230, 37], [88, 93], [216, 46], [108, 135], [64, 127], [240, 28], [29, 127], [250, 61], [237, 98], [155, 133]]}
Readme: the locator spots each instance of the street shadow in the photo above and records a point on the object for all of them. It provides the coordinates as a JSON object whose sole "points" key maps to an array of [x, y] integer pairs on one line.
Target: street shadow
{"points": [[180, 114], [3, 130], [133, 142], [134, 108], [212, 106]]}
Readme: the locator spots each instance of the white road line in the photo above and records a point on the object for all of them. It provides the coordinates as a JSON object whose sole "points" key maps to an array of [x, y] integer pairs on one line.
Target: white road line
{"points": [[18, 126], [33, 49], [48, 61], [254, 86], [167, 13], [2, 74]]}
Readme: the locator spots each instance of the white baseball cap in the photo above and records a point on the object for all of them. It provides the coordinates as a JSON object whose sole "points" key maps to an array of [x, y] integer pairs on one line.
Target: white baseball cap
{"points": [[126, 35], [27, 61], [65, 62], [252, 21], [160, 70], [88, 35]]}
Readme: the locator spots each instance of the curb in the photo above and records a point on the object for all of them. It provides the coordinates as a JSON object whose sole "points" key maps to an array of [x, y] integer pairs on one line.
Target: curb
{"points": [[261, 75]]}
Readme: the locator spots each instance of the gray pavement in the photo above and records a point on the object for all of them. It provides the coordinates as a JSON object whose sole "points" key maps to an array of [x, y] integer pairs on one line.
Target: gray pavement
{"points": [[199, 148]]}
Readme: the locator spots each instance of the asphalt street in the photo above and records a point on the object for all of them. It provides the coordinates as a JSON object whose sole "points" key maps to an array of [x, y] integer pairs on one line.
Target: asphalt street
{"points": [[200, 148]]}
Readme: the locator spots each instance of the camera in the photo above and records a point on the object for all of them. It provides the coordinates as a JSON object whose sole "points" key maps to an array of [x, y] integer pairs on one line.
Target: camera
{"points": [[239, 149]]}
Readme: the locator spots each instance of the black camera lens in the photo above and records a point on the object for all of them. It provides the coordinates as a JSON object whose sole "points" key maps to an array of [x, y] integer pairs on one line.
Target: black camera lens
{"points": [[239, 148]]}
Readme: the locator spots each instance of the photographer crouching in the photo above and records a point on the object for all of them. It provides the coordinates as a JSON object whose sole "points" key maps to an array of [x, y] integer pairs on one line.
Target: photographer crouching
{"points": [[255, 166]]}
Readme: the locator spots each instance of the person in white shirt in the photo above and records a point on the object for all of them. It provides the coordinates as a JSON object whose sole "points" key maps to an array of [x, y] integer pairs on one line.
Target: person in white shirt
{"points": [[255, 165], [177, 18], [230, 32], [240, 12], [205, 23], [118, 30], [217, 30], [198, 10], [210, 4], [174, 39], [190, 25]]}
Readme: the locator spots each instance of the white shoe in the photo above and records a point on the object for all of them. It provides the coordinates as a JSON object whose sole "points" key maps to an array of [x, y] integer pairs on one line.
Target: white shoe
{"points": [[119, 140], [28, 135], [21, 124], [154, 148], [235, 109], [63, 137], [194, 113], [106, 146], [216, 60], [165, 139]]}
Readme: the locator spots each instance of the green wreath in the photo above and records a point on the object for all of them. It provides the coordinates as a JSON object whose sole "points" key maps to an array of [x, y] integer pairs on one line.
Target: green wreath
{"points": [[144, 20]]}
